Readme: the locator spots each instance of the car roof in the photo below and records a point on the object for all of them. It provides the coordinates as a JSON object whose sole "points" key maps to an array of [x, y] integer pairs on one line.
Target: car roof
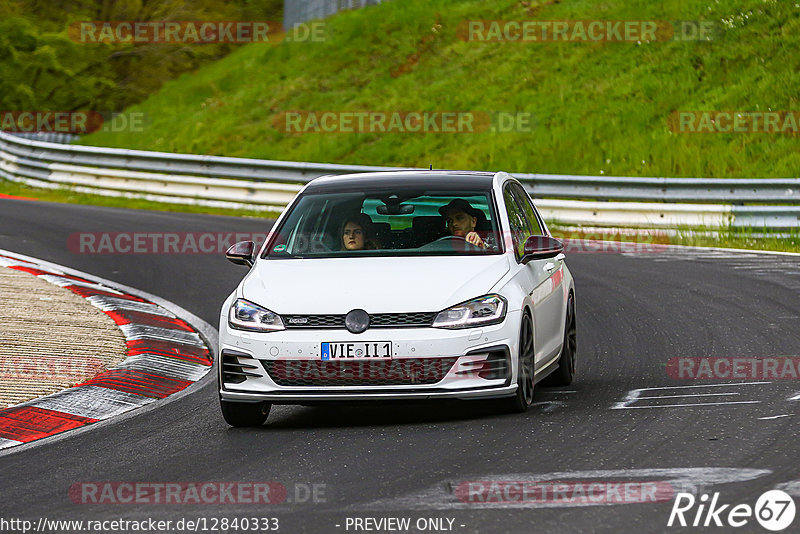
{"points": [[410, 178]]}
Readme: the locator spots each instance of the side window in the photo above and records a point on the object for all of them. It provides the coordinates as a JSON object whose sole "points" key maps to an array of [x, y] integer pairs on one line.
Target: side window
{"points": [[525, 201], [309, 235], [516, 218]]}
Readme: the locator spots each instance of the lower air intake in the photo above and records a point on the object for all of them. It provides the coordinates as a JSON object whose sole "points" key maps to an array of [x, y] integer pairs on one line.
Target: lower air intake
{"points": [[410, 371]]}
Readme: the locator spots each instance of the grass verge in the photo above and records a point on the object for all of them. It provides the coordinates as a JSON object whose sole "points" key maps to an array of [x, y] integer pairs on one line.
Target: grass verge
{"points": [[66, 195], [726, 237]]}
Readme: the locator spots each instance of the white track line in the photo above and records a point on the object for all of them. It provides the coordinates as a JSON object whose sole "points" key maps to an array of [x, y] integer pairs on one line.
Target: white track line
{"points": [[686, 405], [685, 396], [635, 395]]}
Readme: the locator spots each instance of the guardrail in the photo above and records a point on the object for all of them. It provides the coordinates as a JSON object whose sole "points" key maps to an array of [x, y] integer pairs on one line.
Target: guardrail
{"points": [[297, 11], [238, 183]]}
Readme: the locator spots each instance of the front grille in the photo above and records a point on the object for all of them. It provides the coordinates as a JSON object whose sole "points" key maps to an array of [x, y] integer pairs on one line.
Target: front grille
{"points": [[378, 320], [313, 321], [401, 319], [408, 371]]}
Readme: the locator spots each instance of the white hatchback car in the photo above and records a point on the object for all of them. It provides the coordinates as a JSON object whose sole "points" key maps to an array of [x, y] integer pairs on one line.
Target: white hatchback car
{"points": [[398, 286]]}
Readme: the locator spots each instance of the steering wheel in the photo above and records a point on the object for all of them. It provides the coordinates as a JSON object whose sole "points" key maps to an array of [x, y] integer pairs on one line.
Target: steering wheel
{"points": [[456, 240]]}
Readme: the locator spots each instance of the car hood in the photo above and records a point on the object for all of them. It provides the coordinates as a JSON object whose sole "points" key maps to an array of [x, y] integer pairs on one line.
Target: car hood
{"points": [[377, 285]]}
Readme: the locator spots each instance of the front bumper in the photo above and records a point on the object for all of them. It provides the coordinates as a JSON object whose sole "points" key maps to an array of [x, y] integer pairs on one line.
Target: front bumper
{"points": [[314, 396], [459, 356]]}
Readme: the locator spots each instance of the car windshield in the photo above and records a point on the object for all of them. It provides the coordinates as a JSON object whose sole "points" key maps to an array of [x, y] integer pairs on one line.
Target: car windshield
{"points": [[388, 223]]}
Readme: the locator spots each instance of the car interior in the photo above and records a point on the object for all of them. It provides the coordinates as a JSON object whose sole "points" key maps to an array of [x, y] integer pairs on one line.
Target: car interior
{"points": [[395, 225]]}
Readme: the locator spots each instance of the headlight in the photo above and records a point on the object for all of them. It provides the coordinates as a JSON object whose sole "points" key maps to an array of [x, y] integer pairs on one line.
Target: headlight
{"points": [[245, 315], [482, 311]]}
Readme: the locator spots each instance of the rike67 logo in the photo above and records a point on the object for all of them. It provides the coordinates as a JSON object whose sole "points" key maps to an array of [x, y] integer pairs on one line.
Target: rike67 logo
{"points": [[774, 510]]}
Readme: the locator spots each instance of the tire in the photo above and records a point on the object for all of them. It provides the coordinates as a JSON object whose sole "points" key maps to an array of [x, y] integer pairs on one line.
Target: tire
{"points": [[565, 372], [241, 414], [523, 398]]}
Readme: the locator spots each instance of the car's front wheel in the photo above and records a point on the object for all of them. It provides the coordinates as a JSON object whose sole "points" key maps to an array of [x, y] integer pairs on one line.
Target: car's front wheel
{"points": [[523, 398], [245, 413]]}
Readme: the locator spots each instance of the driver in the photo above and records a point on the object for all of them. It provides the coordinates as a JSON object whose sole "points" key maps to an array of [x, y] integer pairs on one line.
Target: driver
{"points": [[461, 219]]}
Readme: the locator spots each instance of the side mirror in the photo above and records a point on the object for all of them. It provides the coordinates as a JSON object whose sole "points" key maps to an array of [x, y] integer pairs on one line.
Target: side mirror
{"points": [[539, 247], [241, 253]]}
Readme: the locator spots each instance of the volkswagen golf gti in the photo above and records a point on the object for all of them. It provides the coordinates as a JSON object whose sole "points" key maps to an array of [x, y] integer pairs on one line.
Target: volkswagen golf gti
{"points": [[403, 285]]}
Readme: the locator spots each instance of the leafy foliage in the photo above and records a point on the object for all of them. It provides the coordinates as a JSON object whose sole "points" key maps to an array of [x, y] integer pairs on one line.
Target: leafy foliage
{"points": [[43, 68]]}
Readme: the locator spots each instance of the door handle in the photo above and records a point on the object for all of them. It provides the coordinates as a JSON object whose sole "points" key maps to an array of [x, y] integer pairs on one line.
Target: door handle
{"points": [[550, 265]]}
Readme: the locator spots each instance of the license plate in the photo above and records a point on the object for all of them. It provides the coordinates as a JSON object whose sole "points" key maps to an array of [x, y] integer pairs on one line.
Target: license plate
{"points": [[366, 350]]}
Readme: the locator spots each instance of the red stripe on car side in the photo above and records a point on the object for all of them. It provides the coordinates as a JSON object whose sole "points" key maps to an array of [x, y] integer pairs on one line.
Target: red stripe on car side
{"points": [[558, 277]]}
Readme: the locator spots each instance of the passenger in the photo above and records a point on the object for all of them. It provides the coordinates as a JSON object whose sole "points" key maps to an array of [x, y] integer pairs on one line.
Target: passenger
{"points": [[357, 233], [461, 219]]}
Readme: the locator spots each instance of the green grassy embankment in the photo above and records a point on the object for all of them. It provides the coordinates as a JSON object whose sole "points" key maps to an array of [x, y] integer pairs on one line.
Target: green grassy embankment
{"points": [[597, 108]]}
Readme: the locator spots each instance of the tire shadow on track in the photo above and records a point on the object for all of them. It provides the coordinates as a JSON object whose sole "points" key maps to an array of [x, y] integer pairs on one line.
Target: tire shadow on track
{"points": [[394, 414]]}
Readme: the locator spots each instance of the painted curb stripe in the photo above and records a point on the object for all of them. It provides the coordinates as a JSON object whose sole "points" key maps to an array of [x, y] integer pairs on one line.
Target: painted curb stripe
{"points": [[14, 197], [6, 443], [5, 261], [92, 402], [155, 363], [29, 423], [187, 353], [133, 381], [107, 304], [39, 272], [122, 317], [165, 355], [138, 331], [63, 281], [87, 292]]}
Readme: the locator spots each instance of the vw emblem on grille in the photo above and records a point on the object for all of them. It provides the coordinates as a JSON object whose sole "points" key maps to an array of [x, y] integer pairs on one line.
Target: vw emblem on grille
{"points": [[357, 321]]}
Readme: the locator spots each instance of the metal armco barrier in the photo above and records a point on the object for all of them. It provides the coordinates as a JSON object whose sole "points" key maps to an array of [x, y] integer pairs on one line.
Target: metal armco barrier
{"points": [[238, 183], [297, 11]]}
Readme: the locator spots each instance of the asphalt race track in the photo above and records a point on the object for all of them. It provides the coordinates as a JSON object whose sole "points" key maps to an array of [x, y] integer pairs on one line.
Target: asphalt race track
{"points": [[636, 312]]}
